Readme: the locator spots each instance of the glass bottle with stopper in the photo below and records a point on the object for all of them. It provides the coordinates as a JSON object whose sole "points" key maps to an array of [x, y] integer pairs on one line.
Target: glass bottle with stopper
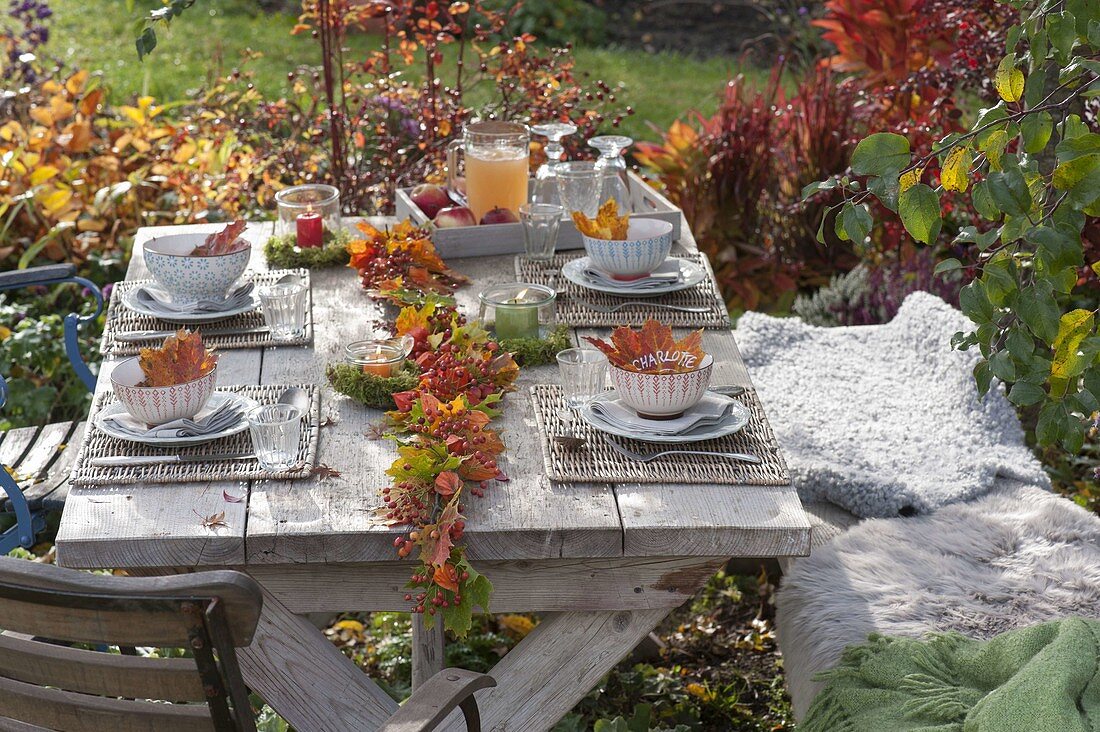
{"points": [[546, 190], [616, 184]]}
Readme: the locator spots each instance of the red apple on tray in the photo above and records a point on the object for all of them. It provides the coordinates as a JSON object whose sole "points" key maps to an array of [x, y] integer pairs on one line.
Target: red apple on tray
{"points": [[498, 215], [431, 199], [454, 217]]}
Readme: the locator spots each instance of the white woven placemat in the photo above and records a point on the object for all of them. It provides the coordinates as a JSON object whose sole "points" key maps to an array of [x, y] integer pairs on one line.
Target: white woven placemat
{"points": [[596, 462], [97, 444], [121, 319]]}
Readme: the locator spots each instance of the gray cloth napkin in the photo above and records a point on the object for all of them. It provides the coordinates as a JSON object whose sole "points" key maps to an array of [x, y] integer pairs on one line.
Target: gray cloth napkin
{"points": [[227, 414], [710, 410], [668, 273], [158, 302]]}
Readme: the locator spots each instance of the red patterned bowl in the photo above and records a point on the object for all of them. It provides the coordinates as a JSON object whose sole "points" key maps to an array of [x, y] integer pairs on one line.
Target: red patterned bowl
{"points": [[159, 404], [662, 396]]}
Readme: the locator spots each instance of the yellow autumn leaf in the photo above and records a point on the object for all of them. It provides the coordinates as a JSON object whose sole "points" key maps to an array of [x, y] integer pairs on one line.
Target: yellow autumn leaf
{"points": [[910, 178], [994, 147], [43, 174], [1095, 267], [56, 200], [519, 625], [75, 83], [134, 114], [50, 87], [1073, 328], [185, 152], [352, 625], [1009, 82], [42, 116], [955, 173], [5, 332], [10, 130]]}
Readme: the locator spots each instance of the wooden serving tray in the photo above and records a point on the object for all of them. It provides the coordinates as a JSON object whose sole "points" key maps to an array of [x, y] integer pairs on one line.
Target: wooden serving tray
{"points": [[480, 241]]}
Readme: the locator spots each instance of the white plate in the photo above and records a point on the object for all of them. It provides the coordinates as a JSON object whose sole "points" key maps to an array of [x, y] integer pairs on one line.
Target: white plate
{"points": [[691, 274], [129, 301], [735, 421], [218, 398]]}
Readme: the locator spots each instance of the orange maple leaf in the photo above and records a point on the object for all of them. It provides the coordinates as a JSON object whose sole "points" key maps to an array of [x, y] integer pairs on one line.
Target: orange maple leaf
{"points": [[182, 358]]}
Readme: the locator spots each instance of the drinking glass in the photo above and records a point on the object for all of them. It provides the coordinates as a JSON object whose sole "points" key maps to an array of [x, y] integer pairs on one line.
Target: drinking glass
{"points": [[540, 229], [546, 189], [275, 430], [616, 184], [284, 310], [583, 374], [497, 163], [579, 185]]}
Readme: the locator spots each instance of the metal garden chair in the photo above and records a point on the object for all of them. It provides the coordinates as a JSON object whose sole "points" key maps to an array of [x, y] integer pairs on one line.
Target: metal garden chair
{"points": [[31, 454]]}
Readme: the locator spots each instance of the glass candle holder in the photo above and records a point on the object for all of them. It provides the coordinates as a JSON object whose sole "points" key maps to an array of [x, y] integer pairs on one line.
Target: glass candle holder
{"points": [[518, 310], [381, 358], [307, 212]]}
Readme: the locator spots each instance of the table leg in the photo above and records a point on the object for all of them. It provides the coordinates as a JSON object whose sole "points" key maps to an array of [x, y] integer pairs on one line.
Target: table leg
{"points": [[306, 679], [428, 650], [550, 670]]}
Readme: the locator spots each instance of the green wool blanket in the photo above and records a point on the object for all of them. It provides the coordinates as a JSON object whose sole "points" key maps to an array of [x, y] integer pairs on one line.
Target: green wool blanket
{"points": [[1038, 679]]}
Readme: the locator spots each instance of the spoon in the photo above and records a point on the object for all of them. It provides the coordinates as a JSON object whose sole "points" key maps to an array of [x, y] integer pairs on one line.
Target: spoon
{"points": [[569, 441], [296, 397]]}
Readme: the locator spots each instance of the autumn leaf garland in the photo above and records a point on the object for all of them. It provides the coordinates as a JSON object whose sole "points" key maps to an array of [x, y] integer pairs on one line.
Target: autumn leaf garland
{"points": [[445, 444]]}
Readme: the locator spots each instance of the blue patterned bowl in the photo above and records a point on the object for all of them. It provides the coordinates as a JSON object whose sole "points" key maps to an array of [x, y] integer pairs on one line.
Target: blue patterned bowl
{"points": [[188, 278], [646, 247]]}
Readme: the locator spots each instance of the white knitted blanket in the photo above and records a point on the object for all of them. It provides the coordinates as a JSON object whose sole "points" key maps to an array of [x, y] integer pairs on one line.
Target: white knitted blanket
{"points": [[884, 420]]}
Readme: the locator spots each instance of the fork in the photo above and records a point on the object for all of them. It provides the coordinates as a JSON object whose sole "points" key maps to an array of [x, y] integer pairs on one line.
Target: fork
{"points": [[740, 456], [639, 303]]}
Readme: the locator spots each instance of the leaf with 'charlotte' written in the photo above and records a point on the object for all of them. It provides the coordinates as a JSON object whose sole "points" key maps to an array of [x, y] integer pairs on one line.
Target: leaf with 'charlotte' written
{"points": [[653, 349]]}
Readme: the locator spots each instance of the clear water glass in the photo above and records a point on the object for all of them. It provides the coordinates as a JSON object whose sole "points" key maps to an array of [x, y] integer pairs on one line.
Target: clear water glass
{"points": [[546, 188], [284, 310], [276, 430], [583, 374], [579, 185], [540, 229], [611, 164]]}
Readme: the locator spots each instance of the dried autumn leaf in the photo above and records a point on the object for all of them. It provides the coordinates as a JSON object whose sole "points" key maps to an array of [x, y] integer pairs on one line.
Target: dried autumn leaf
{"points": [[653, 349], [214, 521], [446, 577], [447, 482], [607, 224], [324, 472], [181, 359], [226, 241]]}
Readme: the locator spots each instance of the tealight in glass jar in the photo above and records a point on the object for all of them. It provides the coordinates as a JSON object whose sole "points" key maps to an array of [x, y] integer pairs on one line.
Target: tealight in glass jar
{"points": [[307, 213], [518, 310], [381, 357]]}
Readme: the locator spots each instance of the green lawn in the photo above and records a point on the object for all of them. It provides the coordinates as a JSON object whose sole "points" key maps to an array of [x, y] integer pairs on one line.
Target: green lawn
{"points": [[207, 42]]}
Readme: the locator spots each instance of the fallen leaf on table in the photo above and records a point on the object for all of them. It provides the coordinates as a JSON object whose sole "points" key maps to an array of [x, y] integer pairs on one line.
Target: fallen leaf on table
{"points": [[324, 472], [213, 521], [231, 499]]}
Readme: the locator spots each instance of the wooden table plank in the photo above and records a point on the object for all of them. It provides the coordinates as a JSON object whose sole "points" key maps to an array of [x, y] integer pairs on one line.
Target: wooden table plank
{"points": [[331, 521], [161, 525]]}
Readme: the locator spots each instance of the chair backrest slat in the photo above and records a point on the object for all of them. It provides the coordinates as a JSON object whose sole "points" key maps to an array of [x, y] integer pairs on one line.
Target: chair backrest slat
{"points": [[46, 683], [106, 674], [68, 711]]}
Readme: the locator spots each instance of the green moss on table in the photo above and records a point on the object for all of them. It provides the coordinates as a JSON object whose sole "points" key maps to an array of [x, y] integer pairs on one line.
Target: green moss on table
{"points": [[283, 253], [538, 351], [370, 389]]}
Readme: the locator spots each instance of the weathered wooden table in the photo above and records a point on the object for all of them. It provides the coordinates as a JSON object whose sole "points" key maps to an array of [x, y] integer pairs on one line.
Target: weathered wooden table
{"points": [[603, 564]]}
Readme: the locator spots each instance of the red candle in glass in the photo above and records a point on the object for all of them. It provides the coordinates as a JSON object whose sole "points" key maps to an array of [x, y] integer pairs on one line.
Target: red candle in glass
{"points": [[310, 232]]}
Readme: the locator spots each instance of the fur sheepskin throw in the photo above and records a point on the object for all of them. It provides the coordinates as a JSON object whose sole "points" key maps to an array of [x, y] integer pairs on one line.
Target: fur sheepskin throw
{"points": [[884, 420], [1020, 555]]}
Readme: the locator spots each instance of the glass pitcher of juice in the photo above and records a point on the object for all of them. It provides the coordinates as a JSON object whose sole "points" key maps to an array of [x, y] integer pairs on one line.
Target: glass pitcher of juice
{"points": [[496, 165]]}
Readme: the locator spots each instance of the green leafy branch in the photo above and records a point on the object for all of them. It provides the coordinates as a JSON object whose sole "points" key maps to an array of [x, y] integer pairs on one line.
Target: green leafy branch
{"points": [[1032, 166], [147, 38]]}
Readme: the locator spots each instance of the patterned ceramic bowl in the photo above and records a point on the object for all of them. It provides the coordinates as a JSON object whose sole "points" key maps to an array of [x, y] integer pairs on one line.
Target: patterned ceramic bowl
{"points": [[159, 404], [647, 245], [188, 278], [662, 396]]}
